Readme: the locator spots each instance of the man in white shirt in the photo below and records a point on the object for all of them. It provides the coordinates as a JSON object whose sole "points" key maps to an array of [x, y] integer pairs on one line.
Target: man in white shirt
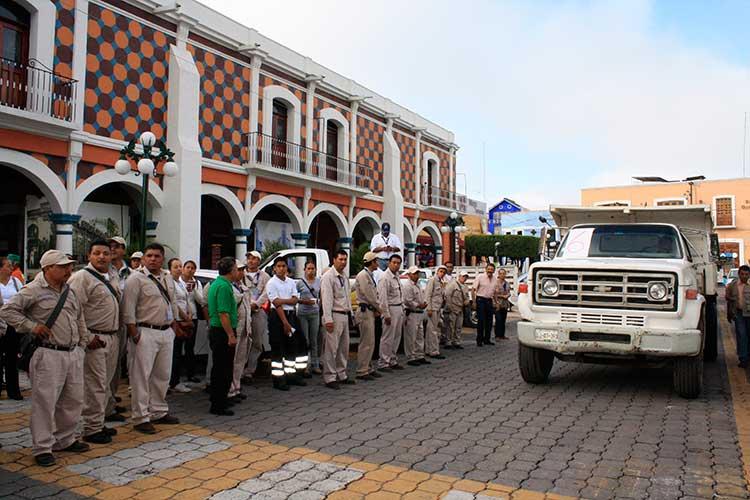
{"points": [[385, 244], [288, 346]]}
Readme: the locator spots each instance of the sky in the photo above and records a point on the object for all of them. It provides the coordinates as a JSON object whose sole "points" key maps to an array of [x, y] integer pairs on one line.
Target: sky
{"points": [[544, 97]]}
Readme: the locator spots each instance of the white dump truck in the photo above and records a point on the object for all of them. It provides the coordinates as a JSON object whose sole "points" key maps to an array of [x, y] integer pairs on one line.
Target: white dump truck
{"points": [[626, 284]]}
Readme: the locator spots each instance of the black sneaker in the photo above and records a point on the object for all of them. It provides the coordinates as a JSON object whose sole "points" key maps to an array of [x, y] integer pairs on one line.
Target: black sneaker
{"points": [[45, 460], [375, 374], [98, 438], [110, 431], [347, 381], [78, 447], [115, 417], [222, 413], [367, 377], [333, 385]]}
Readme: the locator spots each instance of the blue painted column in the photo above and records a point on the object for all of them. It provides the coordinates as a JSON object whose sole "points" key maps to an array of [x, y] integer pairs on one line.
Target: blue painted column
{"points": [[410, 250], [241, 242], [64, 231]]}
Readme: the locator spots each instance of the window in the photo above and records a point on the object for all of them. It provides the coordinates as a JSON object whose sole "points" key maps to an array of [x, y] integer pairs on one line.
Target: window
{"points": [[279, 133], [332, 150], [724, 211], [15, 25], [670, 202]]}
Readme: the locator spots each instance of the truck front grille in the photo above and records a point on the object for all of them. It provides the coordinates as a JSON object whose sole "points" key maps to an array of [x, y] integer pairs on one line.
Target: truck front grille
{"points": [[605, 289]]}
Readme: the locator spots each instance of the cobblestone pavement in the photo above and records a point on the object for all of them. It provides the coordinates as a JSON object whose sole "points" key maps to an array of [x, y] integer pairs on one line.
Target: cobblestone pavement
{"points": [[463, 428]]}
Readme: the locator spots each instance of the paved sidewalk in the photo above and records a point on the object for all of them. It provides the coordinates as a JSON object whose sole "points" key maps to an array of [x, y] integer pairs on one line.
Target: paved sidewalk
{"points": [[462, 428]]}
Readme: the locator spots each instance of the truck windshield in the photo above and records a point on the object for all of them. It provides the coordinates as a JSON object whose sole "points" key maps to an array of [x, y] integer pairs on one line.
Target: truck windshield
{"points": [[625, 241]]}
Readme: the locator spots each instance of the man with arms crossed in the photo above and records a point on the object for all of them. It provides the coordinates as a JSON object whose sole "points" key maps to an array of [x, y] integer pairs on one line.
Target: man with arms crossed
{"points": [[392, 305], [435, 296]]}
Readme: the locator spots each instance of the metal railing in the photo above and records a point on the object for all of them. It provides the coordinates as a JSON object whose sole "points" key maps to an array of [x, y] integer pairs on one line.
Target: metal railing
{"points": [[268, 151], [32, 87], [434, 196]]}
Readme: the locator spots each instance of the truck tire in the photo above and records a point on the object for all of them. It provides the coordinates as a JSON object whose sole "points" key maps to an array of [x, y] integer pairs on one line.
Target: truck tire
{"points": [[534, 364], [710, 349], [687, 376]]}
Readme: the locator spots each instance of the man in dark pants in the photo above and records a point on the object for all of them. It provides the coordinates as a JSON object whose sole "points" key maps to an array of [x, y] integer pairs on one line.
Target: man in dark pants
{"points": [[484, 291], [222, 313]]}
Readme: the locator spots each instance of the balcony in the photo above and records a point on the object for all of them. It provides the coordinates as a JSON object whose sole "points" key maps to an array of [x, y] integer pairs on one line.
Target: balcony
{"points": [[36, 92], [289, 161], [435, 197]]}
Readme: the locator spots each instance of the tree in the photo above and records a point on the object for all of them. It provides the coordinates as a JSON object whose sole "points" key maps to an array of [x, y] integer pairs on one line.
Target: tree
{"points": [[512, 246], [271, 247], [355, 260]]}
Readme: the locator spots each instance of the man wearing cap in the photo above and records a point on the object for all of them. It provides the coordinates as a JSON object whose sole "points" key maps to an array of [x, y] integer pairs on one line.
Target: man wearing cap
{"points": [[98, 292], [121, 270], [243, 333], [256, 280], [56, 368], [149, 313], [456, 299], [368, 307], [392, 306], [434, 296], [135, 260], [414, 307], [449, 276], [336, 302], [17, 272], [385, 244]]}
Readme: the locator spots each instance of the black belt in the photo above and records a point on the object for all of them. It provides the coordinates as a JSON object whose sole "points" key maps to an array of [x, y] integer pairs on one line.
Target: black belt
{"points": [[483, 298], [364, 307], [54, 347], [347, 313], [154, 327], [100, 332], [415, 311], [395, 305]]}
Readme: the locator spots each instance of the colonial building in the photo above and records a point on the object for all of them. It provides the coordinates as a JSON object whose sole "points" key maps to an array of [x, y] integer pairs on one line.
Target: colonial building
{"points": [[272, 147]]}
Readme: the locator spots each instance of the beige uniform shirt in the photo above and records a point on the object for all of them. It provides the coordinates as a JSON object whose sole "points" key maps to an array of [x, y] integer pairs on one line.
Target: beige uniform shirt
{"points": [[389, 292], [456, 297], [33, 304], [367, 291], [257, 282], [100, 308], [413, 296], [434, 294], [335, 294], [144, 303]]}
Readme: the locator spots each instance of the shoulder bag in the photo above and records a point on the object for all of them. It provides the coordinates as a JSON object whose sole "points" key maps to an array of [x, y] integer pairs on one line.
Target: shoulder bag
{"points": [[28, 343]]}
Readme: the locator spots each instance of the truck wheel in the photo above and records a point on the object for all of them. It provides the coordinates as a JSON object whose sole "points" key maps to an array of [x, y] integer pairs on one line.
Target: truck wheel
{"points": [[710, 348], [687, 376], [534, 364]]}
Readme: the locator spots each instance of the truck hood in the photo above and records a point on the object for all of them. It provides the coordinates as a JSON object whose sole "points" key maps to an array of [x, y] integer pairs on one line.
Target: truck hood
{"points": [[661, 265]]}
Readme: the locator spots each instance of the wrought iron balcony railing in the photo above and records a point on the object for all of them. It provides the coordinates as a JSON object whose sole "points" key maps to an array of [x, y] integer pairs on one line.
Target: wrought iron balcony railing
{"points": [[434, 196], [34, 88], [267, 151]]}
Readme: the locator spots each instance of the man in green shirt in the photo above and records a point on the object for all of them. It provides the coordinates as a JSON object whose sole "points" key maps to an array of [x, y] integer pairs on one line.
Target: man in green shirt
{"points": [[222, 314]]}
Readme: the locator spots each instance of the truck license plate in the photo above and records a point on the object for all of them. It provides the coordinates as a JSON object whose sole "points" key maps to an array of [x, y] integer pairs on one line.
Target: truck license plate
{"points": [[546, 335]]}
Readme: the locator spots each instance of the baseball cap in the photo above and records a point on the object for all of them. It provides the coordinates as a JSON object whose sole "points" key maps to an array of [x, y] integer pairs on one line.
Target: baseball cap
{"points": [[441, 267], [463, 273], [239, 263], [385, 227], [369, 257], [136, 255], [55, 258], [412, 270], [14, 258], [253, 253], [117, 239]]}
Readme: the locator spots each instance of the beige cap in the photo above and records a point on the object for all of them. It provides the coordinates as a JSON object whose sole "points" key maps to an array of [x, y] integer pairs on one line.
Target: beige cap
{"points": [[136, 255], [253, 253], [117, 239], [463, 273], [55, 258], [369, 257], [239, 263], [441, 267], [412, 270]]}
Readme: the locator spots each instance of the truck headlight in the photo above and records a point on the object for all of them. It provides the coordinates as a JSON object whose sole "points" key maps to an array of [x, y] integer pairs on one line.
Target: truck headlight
{"points": [[550, 286], [657, 290]]}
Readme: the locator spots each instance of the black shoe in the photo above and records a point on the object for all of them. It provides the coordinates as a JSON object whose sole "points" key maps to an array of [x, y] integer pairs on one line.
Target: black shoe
{"points": [[333, 385], [45, 460], [145, 428], [413, 362], [449, 346], [365, 377], [458, 347], [118, 399], [194, 379], [110, 431], [743, 364], [115, 417], [167, 420], [241, 396], [246, 380], [15, 395], [100, 437], [222, 413], [489, 342], [386, 369], [347, 381], [397, 367], [78, 447], [120, 409], [375, 374], [437, 356], [297, 381], [280, 386], [306, 375]]}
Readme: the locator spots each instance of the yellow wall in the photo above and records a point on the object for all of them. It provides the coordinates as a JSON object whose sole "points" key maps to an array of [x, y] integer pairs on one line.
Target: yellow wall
{"points": [[703, 193]]}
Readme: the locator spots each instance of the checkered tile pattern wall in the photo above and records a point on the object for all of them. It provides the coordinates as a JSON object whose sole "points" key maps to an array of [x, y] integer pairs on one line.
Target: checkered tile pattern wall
{"points": [[64, 25], [370, 151], [126, 76], [224, 104], [408, 148], [266, 81]]}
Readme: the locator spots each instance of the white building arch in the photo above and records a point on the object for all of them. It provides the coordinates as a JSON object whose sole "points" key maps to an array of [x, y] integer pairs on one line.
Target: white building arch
{"points": [[285, 204], [408, 236], [432, 229], [228, 200], [40, 174], [365, 215], [110, 176], [335, 213]]}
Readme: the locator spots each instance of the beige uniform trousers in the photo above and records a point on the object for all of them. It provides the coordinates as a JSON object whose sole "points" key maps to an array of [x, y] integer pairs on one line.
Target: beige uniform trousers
{"points": [[432, 335], [366, 325], [114, 383], [455, 326], [241, 356], [56, 398], [414, 336], [98, 369], [259, 338], [150, 367], [391, 338], [336, 349]]}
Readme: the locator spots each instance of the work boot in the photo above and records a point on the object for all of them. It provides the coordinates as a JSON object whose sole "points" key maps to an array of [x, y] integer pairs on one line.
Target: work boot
{"points": [[77, 447], [98, 438], [45, 460]]}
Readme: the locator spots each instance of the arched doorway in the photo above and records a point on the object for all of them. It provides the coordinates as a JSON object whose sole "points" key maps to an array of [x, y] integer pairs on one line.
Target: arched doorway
{"points": [[364, 230], [323, 233], [217, 240], [272, 230]]}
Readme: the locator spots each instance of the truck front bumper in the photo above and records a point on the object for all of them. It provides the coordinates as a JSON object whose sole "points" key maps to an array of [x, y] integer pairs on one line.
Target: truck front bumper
{"points": [[601, 339]]}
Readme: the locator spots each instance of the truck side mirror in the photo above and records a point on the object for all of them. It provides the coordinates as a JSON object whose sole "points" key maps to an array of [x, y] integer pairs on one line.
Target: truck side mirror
{"points": [[543, 241], [715, 252]]}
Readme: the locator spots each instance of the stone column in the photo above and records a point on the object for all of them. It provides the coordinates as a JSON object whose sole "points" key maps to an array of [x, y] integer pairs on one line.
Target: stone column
{"points": [[438, 255], [75, 153], [64, 231], [300, 241], [345, 244], [393, 198], [151, 231], [241, 240], [312, 81], [410, 250]]}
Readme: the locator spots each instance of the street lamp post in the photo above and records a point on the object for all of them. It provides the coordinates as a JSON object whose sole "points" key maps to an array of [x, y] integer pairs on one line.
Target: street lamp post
{"points": [[453, 224], [152, 153]]}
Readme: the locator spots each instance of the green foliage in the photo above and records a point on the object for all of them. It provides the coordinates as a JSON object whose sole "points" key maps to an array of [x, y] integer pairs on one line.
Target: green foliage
{"points": [[355, 261], [270, 247], [513, 246]]}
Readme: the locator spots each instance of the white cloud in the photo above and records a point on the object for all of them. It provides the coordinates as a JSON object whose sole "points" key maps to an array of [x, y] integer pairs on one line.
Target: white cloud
{"points": [[566, 95]]}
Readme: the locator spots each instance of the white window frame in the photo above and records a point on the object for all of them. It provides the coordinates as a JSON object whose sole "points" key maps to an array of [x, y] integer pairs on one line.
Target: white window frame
{"points": [[683, 199], [734, 211], [611, 203]]}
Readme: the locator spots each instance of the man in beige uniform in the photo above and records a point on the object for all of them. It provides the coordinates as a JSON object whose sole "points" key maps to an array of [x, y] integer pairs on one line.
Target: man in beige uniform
{"points": [[368, 306], [99, 295], [414, 307], [149, 313], [120, 270], [456, 298], [392, 306], [336, 302], [434, 296], [256, 280], [56, 369]]}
